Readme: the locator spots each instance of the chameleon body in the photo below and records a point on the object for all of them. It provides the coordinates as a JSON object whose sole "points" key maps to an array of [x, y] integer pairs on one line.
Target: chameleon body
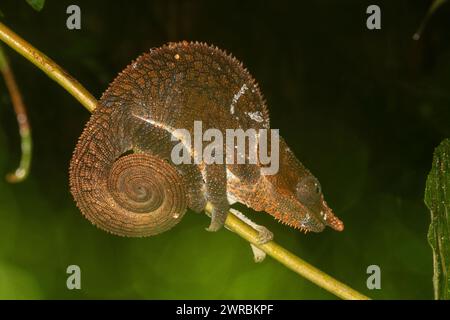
{"points": [[121, 174]]}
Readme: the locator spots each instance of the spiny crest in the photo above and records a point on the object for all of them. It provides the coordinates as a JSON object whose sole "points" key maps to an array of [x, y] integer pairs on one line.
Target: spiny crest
{"points": [[290, 223], [195, 45]]}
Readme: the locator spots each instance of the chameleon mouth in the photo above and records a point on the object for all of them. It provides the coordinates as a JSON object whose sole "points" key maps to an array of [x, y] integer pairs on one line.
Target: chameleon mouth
{"points": [[305, 218], [314, 225]]}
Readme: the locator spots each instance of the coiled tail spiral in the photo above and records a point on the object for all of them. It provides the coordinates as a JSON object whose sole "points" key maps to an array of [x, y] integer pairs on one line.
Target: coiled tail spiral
{"points": [[127, 194]]}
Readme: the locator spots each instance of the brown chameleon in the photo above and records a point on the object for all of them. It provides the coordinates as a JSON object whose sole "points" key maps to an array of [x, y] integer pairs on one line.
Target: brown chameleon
{"points": [[121, 173]]}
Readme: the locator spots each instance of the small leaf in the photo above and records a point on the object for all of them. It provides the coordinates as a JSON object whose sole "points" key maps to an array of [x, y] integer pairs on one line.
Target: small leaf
{"points": [[437, 199], [36, 4]]}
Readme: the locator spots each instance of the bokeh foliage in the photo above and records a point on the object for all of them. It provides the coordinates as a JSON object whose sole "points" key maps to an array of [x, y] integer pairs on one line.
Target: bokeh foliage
{"points": [[362, 109]]}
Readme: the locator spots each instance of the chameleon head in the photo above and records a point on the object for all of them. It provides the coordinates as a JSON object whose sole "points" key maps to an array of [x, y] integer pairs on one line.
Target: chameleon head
{"points": [[297, 198]]}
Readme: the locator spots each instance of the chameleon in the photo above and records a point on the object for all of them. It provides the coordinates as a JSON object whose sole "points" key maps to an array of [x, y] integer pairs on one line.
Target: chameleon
{"points": [[121, 173]]}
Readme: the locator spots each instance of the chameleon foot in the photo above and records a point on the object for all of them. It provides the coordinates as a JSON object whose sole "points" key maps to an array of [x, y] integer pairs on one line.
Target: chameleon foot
{"points": [[264, 235], [217, 220], [258, 254]]}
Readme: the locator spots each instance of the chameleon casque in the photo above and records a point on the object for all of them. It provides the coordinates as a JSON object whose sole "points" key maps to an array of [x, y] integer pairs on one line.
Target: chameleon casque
{"points": [[121, 174]]}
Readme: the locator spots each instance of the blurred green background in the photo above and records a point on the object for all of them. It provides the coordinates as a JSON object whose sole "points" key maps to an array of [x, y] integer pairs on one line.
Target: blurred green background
{"points": [[362, 109]]}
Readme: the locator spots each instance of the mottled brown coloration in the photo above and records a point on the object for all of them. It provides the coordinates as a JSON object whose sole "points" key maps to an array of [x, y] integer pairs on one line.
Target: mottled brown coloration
{"points": [[124, 151]]}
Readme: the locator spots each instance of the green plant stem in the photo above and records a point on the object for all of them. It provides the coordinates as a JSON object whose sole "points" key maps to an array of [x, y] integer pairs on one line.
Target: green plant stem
{"points": [[236, 225], [49, 67], [22, 120], [291, 261], [433, 7]]}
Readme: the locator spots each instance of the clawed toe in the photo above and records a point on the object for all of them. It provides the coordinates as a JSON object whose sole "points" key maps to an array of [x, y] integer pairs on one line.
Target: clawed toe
{"points": [[264, 234], [217, 220], [258, 254]]}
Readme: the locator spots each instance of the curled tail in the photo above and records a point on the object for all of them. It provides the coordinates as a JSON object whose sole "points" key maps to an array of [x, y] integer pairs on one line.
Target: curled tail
{"points": [[122, 192]]}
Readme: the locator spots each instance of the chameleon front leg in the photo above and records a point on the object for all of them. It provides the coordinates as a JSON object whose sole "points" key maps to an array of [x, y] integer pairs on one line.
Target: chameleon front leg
{"points": [[216, 187], [264, 235], [216, 194]]}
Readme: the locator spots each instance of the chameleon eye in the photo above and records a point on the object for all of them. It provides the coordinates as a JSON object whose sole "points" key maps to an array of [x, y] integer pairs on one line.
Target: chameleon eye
{"points": [[309, 190]]}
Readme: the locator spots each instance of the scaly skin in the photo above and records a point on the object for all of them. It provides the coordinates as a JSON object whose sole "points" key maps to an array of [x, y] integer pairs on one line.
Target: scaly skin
{"points": [[121, 173]]}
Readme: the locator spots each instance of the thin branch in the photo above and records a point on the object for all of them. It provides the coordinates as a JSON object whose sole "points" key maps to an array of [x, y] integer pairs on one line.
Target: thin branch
{"points": [[49, 67], [291, 261], [433, 7], [22, 120], [274, 250]]}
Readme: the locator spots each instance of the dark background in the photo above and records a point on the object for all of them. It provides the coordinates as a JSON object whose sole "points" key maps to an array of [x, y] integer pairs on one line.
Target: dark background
{"points": [[362, 109]]}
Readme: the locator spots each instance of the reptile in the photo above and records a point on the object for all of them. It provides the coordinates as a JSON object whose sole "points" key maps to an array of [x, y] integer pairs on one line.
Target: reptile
{"points": [[122, 176]]}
